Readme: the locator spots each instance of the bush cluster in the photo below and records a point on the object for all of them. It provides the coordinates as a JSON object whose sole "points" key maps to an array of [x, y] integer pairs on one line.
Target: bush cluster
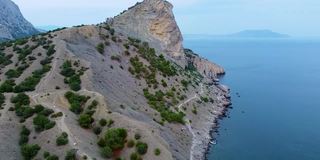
{"points": [[157, 102], [31, 82], [72, 78], [76, 101], [62, 139], [100, 48], [113, 139], [5, 59]]}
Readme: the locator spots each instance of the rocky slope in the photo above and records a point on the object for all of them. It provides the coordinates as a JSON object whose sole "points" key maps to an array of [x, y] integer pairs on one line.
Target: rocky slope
{"points": [[12, 23], [99, 91]]}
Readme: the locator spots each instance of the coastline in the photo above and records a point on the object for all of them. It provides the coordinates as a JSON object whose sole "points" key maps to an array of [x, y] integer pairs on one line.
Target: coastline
{"points": [[208, 121], [223, 114]]}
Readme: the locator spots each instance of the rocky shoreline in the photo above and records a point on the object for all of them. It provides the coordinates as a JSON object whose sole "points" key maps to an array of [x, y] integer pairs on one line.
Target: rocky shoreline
{"points": [[225, 104], [223, 115]]}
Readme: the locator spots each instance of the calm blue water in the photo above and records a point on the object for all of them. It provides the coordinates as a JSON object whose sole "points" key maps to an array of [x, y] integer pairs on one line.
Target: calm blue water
{"points": [[277, 116]]}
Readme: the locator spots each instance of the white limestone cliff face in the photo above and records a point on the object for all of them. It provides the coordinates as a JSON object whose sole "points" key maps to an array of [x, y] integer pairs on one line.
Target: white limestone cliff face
{"points": [[152, 21]]}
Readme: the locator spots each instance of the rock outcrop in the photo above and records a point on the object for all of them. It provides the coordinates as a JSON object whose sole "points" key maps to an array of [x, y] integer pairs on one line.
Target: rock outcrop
{"points": [[12, 23], [202, 65], [152, 21]]}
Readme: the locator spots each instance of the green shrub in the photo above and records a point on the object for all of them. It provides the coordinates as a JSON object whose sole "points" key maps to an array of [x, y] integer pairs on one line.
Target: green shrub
{"points": [[184, 83], [115, 138], [51, 50], [85, 120], [67, 69], [101, 142], [62, 139], [106, 152], [29, 151], [46, 154], [130, 143], [76, 101], [205, 99], [20, 99], [5, 59], [24, 139], [31, 82], [71, 154], [100, 48], [97, 130], [157, 152], [2, 99], [38, 108], [137, 136], [103, 122], [72, 78], [53, 157], [142, 148], [42, 123], [56, 115], [116, 58], [134, 156], [11, 73], [7, 86]]}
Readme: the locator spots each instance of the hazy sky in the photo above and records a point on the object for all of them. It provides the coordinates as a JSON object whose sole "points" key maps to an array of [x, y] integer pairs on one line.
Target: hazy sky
{"points": [[295, 17]]}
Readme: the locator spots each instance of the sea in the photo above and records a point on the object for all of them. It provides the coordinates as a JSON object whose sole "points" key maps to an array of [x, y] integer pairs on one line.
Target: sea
{"points": [[275, 89]]}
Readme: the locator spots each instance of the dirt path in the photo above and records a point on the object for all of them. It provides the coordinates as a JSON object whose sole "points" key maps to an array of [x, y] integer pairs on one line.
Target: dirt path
{"points": [[196, 96]]}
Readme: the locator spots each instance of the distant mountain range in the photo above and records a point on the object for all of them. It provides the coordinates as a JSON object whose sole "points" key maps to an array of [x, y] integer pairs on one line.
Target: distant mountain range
{"points": [[243, 34]]}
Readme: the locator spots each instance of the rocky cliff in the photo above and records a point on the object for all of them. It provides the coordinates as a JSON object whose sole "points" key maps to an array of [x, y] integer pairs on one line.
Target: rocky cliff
{"points": [[107, 91], [12, 23], [153, 21]]}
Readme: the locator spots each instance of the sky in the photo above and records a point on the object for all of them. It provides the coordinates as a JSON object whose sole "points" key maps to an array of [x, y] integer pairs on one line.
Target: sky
{"points": [[294, 17]]}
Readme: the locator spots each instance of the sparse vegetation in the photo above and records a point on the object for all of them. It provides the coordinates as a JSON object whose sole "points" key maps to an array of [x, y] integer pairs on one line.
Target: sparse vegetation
{"points": [[5, 59], [106, 152], [62, 139], [205, 99], [7, 86], [100, 48], [42, 123], [156, 101], [72, 78], [103, 122], [142, 148], [31, 82], [2, 99], [130, 143], [113, 139], [157, 152], [85, 120], [29, 151], [76, 101], [134, 156], [71, 155]]}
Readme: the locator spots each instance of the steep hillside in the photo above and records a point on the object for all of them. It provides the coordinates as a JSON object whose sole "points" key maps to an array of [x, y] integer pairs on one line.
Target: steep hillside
{"points": [[97, 92], [12, 23]]}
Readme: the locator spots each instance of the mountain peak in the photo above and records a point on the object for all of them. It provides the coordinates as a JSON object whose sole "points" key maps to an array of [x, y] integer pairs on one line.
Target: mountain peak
{"points": [[152, 21], [12, 23]]}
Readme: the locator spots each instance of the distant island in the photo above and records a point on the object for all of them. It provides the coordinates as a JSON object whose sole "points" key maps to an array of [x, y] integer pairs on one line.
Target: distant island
{"points": [[243, 34], [258, 34]]}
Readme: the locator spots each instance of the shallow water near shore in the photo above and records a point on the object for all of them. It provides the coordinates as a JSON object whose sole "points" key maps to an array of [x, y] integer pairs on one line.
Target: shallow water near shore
{"points": [[276, 115]]}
